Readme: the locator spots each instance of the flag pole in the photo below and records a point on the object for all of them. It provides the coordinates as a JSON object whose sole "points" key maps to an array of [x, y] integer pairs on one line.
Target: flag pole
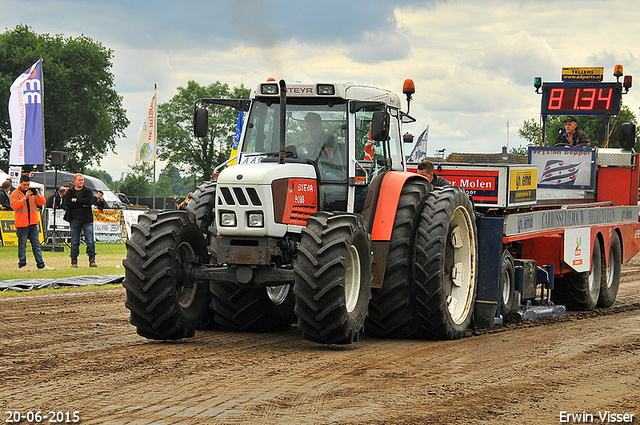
{"points": [[44, 147], [155, 157]]}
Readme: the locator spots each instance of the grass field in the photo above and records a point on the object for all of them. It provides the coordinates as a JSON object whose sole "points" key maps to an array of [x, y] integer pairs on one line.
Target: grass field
{"points": [[109, 258]]}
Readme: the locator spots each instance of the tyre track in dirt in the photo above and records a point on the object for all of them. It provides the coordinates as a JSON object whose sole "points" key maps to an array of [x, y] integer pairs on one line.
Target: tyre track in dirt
{"points": [[78, 352]]}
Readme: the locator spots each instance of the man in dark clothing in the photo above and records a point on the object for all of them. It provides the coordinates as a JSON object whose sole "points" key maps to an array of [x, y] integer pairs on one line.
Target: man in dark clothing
{"points": [[5, 193], [571, 137], [99, 201], [427, 169], [57, 199], [80, 217]]}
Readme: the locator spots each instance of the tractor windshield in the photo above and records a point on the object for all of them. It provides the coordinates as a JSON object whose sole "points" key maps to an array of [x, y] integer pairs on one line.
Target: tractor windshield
{"points": [[314, 131]]}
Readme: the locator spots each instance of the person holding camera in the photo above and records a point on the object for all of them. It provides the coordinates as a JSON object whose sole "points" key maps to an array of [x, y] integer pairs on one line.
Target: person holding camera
{"points": [[25, 201]]}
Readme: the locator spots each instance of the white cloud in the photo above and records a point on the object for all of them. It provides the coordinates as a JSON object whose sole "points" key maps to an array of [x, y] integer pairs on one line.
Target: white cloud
{"points": [[473, 62]]}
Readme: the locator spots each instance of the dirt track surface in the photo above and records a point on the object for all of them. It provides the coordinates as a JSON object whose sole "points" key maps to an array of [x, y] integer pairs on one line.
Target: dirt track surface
{"points": [[78, 352]]}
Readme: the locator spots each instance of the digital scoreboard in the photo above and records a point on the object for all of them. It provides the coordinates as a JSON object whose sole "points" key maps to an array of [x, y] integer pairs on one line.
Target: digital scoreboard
{"points": [[581, 98]]}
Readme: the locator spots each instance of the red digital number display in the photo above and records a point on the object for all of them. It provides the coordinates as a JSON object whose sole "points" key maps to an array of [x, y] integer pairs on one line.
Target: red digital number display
{"points": [[581, 99], [576, 99]]}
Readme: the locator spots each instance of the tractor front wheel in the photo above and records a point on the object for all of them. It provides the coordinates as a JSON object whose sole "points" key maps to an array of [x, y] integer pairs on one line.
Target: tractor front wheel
{"points": [[164, 306], [333, 278]]}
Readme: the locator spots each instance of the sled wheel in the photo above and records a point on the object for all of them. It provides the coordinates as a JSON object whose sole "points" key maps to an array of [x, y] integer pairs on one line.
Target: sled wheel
{"points": [[393, 310], [510, 298], [445, 263], [611, 276], [333, 278], [161, 306], [580, 291]]}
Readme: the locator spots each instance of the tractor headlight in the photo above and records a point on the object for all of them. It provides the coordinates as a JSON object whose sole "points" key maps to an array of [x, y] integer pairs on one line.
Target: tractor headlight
{"points": [[326, 89], [269, 89], [228, 219], [256, 219]]}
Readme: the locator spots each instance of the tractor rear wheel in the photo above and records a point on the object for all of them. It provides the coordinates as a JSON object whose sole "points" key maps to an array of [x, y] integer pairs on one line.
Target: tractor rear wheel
{"points": [[445, 263], [393, 310], [611, 276], [202, 202], [333, 278], [239, 308], [162, 305]]}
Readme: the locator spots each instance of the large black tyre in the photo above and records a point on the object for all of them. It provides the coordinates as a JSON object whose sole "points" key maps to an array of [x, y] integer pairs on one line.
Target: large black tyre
{"points": [[510, 298], [393, 308], [242, 309], [202, 202], [333, 278], [445, 263], [611, 276], [580, 291], [161, 307]]}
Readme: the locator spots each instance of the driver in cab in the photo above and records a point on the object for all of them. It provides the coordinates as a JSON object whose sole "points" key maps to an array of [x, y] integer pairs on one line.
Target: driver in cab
{"points": [[571, 137], [319, 145]]}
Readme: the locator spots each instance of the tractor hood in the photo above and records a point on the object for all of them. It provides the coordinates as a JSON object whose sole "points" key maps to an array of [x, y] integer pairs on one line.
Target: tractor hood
{"points": [[264, 173]]}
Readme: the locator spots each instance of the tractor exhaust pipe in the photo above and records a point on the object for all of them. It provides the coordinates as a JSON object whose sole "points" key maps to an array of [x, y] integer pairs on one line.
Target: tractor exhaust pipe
{"points": [[283, 119]]}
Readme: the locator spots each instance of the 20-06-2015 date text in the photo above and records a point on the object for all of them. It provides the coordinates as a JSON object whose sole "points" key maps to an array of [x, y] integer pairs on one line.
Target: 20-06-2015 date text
{"points": [[36, 417]]}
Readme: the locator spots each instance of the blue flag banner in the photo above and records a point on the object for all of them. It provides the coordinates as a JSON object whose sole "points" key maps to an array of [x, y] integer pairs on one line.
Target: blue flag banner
{"points": [[25, 114], [236, 139]]}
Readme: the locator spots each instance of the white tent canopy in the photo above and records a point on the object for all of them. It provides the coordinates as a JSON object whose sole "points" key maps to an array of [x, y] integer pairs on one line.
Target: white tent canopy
{"points": [[4, 176]]}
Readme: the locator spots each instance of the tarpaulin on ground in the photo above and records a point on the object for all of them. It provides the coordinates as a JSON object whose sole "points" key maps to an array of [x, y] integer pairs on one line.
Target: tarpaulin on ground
{"points": [[31, 284]]}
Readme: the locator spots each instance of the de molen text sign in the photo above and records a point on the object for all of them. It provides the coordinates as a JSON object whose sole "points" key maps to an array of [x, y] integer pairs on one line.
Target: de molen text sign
{"points": [[481, 184]]}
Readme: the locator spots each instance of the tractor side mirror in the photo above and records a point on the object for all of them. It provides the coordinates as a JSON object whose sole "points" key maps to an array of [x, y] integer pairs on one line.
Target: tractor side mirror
{"points": [[200, 122], [380, 126], [628, 135]]}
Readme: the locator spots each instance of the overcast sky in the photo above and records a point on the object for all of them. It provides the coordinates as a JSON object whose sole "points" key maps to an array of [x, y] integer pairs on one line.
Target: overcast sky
{"points": [[473, 62]]}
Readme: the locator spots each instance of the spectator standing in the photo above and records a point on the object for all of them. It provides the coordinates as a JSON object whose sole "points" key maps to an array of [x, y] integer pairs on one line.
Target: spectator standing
{"points": [[5, 193], [25, 202], [80, 217]]}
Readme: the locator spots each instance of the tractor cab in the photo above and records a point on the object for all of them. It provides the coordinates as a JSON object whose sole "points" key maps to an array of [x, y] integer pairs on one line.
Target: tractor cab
{"points": [[342, 135]]}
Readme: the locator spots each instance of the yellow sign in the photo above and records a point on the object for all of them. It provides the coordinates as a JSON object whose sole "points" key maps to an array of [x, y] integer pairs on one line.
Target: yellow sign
{"points": [[523, 185], [583, 73], [106, 225], [8, 228]]}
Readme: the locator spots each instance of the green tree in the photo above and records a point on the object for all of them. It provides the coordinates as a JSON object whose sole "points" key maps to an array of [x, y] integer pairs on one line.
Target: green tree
{"points": [[83, 113], [176, 142], [139, 181], [99, 174], [178, 185], [530, 132]]}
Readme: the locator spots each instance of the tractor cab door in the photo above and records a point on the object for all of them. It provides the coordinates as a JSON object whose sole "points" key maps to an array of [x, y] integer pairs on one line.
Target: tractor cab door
{"points": [[373, 157]]}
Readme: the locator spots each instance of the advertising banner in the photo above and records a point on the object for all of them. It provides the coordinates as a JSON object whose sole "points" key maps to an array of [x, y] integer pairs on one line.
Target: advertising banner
{"points": [[106, 225], [8, 228]]}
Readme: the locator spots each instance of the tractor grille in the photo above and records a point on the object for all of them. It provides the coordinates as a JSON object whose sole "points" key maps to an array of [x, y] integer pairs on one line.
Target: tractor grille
{"points": [[239, 196]]}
